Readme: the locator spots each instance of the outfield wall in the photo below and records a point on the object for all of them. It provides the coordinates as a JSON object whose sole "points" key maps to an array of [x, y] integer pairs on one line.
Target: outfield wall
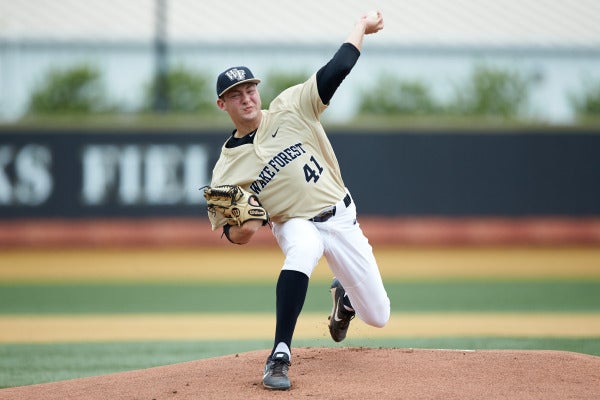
{"points": [[412, 186]]}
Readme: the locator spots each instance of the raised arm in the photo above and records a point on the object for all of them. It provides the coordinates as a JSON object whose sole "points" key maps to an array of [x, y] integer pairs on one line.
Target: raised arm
{"points": [[331, 75], [366, 25]]}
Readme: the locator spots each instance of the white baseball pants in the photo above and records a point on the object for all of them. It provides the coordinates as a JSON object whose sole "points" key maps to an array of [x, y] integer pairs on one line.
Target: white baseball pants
{"points": [[349, 256]]}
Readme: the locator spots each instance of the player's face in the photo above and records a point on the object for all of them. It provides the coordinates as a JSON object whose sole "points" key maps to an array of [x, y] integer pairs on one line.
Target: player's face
{"points": [[242, 102]]}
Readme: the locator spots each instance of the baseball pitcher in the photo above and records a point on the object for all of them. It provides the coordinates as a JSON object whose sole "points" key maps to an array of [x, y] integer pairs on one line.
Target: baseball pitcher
{"points": [[278, 168]]}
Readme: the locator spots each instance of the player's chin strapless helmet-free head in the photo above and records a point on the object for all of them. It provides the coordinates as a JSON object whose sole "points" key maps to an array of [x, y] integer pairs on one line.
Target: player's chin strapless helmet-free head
{"points": [[232, 77]]}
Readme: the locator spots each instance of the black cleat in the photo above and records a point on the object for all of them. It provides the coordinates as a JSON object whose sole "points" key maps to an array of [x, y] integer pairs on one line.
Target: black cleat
{"points": [[340, 318], [276, 372]]}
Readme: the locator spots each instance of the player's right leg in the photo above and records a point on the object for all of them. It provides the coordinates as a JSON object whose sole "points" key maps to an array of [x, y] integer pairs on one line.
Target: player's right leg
{"points": [[351, 259]]}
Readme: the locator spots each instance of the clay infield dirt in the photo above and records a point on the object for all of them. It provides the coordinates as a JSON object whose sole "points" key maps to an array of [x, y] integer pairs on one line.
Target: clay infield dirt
{"points": [[348, 373]]}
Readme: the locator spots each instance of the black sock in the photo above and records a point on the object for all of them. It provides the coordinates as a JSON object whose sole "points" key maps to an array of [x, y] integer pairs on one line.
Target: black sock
{"points": [[291, 292]]}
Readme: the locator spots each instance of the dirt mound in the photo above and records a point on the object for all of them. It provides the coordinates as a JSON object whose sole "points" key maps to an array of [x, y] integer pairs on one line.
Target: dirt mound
{"points": [[347, 373]]}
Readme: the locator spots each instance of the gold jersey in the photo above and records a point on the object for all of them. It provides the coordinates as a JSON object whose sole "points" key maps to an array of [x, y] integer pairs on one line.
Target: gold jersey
{"points": [[290, 165]]}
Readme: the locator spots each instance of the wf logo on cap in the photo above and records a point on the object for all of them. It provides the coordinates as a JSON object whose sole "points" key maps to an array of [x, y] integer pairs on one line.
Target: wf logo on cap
{"points": [[235, 74], [233, 77]]}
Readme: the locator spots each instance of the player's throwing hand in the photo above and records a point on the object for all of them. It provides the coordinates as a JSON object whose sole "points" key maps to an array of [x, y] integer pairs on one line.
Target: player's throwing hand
{"points": [[373, 21]]}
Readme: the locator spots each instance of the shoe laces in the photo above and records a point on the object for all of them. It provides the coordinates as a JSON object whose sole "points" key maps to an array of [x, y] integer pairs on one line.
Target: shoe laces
{"points": [[279, 367], [347, 316]]}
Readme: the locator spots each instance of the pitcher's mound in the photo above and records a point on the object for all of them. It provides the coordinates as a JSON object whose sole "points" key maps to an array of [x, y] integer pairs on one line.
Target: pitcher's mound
{"points": [[348, 373]]}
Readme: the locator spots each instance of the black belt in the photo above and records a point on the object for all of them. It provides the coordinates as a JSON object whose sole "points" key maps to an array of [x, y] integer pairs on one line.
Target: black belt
{"points": [[330, 212]]}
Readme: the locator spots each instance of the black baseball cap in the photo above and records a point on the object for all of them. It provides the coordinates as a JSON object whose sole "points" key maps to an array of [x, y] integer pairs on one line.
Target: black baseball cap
{"points": [[232, 77]]}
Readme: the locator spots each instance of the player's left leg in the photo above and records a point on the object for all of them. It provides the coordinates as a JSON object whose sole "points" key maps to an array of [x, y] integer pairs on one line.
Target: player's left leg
{"points": [[302, 245]]}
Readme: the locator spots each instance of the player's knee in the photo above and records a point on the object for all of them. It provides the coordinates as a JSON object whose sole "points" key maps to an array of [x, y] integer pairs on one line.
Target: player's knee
{"points": [[379, 322], [303, 259], [378, 319]]}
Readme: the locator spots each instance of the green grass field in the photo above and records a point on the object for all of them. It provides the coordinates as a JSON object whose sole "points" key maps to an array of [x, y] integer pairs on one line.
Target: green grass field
{"points": [[430, 296], [24, 362]]}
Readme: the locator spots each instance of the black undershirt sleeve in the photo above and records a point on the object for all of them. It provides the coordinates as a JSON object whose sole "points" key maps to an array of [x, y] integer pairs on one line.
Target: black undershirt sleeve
{"points": [[331, 75]]}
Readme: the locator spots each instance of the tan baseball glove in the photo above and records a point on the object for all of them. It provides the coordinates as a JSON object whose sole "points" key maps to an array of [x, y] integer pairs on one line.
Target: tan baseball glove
{"points": [[235, 204]]}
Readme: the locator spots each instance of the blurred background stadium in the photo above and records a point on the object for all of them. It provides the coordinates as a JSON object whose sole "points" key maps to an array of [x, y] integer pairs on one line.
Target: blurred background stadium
{"points": [[549, 47], [476, 123]]}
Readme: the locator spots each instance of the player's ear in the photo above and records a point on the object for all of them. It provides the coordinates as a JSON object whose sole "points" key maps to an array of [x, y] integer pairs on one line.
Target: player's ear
{"points": [[221, 103]]}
